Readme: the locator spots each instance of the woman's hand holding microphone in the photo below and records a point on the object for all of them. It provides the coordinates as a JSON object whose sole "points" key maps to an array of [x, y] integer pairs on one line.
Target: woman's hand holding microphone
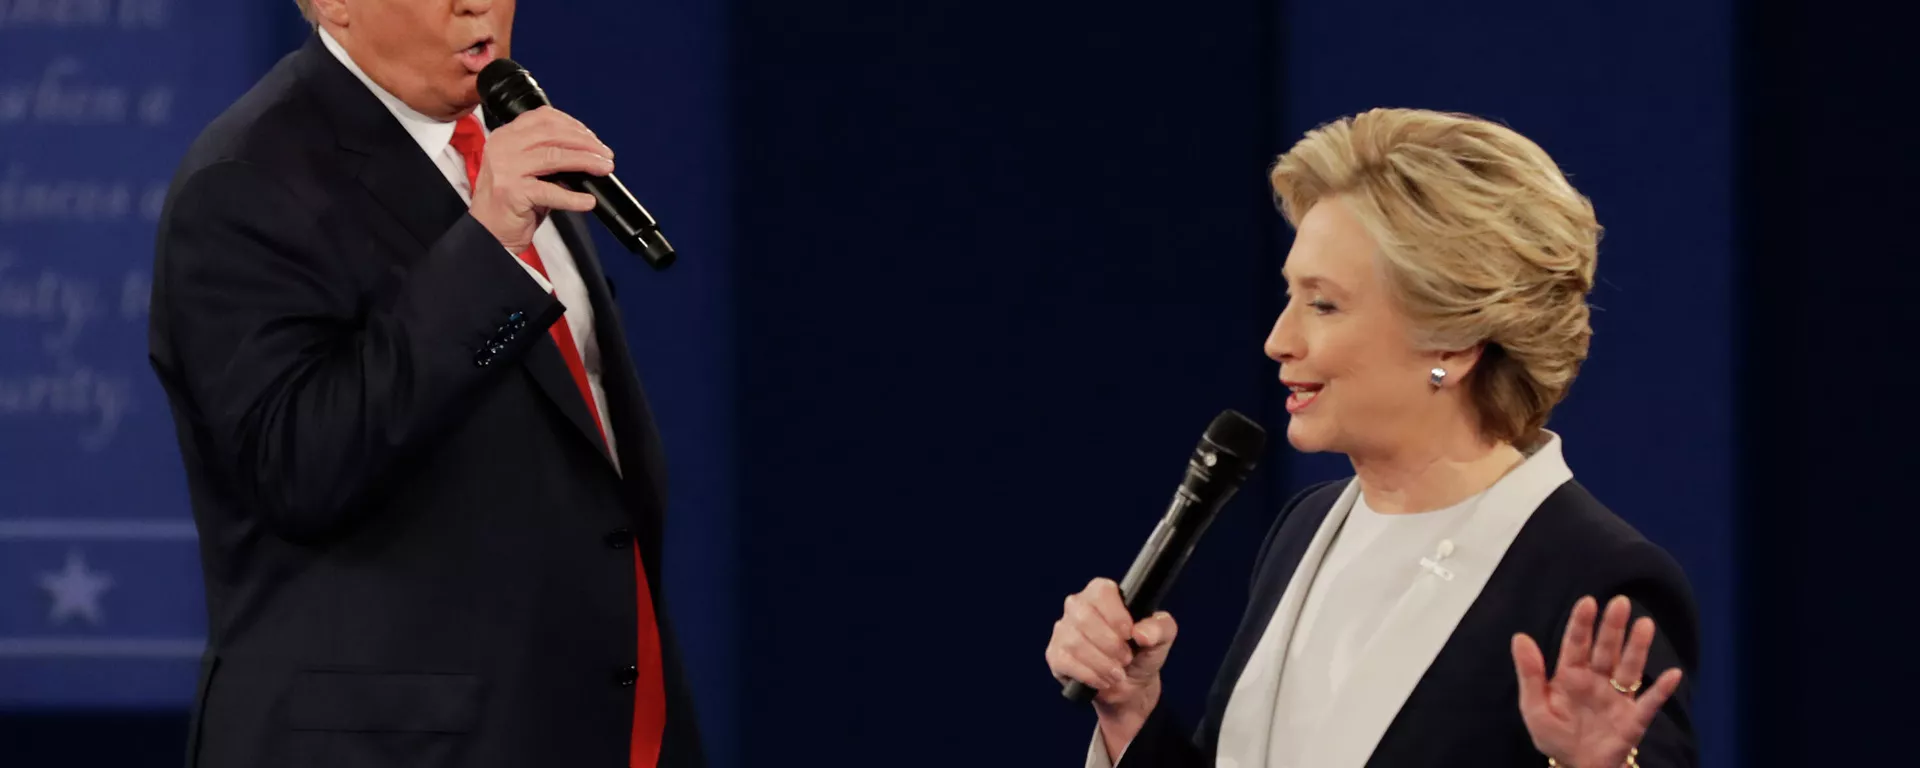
{"points": [[1090, 644]]}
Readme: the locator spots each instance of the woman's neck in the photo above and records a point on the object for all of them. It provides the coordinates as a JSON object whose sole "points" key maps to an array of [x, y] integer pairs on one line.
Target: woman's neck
{"points": [[1437, 475]]}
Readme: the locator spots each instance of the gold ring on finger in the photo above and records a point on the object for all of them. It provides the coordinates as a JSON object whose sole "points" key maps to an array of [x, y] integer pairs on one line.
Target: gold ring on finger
{"points": [[1624, 689]]}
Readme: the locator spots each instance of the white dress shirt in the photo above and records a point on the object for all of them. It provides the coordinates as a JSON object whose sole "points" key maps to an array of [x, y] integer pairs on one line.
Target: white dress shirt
{"points": [[435, 138]]}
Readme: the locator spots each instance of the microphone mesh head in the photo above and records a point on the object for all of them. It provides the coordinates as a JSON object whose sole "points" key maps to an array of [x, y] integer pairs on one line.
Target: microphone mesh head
{"points": [[1236, 434], [495, 73]]}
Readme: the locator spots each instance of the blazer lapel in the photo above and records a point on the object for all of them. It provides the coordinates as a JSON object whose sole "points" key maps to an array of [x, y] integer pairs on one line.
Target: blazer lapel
{"points": [[1248, 718], [1423, 619], [1272, 574]]}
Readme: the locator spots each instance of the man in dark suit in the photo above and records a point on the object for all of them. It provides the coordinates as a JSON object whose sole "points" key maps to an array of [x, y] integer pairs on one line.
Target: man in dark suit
{"points": [[428, 487]]}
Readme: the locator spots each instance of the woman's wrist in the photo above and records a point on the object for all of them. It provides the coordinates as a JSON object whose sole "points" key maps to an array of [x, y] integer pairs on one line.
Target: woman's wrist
{"points": [[1121, 721]]}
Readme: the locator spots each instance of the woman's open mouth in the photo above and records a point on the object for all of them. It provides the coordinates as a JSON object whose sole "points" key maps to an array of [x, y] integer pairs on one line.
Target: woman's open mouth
{"points": [[1303, 394]]}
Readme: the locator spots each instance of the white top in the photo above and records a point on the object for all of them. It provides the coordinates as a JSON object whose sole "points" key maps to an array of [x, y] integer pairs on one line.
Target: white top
{"points": [[435, 138], [1372, 559]]}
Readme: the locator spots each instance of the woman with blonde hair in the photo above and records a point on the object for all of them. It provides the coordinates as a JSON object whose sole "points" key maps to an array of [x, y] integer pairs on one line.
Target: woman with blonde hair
{"points": [[1436, 313]]}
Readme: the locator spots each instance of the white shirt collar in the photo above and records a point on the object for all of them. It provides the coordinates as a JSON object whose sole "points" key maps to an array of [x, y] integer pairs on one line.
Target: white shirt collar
{"points": [[432, 135]]}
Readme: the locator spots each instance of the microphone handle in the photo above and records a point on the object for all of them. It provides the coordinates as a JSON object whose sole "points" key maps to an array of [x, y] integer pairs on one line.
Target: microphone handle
{"points": [[1160, 561], [623, 216]]}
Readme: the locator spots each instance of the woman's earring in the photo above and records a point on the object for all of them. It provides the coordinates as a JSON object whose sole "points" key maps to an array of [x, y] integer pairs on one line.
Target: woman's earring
{"points": [[1437, 377]]}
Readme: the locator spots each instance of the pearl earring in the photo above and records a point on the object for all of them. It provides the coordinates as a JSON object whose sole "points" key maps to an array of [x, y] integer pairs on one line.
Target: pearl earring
{"points": [[1437, 377]]}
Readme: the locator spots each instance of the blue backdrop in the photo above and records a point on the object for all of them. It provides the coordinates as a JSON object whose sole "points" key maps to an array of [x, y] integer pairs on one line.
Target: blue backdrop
{"points": [[99, 590], [962, 282]]}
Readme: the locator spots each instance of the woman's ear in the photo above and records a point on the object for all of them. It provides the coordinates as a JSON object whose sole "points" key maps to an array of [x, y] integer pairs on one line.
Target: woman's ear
{"points": [[1460, 362]]}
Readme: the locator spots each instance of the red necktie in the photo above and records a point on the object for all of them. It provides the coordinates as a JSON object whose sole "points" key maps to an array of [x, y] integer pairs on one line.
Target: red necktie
{"points": [[649, 697]]}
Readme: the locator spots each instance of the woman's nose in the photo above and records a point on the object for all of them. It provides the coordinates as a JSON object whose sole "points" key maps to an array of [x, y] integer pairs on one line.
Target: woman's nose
{"points": [[1283, 342]]}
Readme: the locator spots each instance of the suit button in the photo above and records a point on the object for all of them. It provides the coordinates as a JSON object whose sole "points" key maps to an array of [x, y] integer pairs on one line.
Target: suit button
{"points": [[619, 538], [517, 317], [625, 676]]}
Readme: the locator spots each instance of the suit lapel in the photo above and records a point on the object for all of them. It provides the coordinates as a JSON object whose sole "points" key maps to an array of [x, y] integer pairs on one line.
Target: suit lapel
{"points": [[630, 419], [1421, 621], [410, 187], [1247, 719], [549, 371], [392, 168]]}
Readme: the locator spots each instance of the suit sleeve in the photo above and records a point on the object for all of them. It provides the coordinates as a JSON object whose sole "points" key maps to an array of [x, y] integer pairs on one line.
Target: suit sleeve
{"points": [[1657, 587], [309, 386]]}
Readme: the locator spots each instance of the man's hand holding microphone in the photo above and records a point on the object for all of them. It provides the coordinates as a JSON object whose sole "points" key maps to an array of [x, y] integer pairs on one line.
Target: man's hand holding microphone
{"points": [[510, 198]]}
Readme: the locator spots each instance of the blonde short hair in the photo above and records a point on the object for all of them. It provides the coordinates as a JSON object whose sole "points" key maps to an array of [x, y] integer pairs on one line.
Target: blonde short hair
{"points": [[1483, 240], [306, 9]]}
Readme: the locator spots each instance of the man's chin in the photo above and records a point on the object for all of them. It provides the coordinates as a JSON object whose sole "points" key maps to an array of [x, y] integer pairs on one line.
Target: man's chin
{"points": [[463, 97]]}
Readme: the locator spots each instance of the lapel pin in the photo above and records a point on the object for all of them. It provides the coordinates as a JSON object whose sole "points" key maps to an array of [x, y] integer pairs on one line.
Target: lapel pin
{"points": [[1432, 564]]}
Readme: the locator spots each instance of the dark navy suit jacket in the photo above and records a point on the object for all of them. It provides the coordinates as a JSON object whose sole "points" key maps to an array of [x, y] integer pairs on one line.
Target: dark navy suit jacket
{"points": [[415, 550]]}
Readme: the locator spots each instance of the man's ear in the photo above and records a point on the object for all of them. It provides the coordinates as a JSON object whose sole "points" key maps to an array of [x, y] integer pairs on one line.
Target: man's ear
{"points": [[332, 12]]}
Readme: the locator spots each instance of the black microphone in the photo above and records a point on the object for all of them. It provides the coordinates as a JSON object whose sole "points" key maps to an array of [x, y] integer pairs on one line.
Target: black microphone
{"points": [[508, 91], [1227, 452]]}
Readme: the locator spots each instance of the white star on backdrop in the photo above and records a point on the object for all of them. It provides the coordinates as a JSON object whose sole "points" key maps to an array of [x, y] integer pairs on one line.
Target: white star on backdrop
{"points": [[75, 590]]}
